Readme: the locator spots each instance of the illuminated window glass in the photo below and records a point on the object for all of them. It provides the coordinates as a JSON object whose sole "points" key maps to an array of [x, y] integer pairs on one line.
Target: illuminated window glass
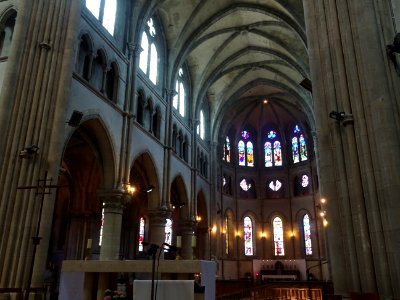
{"points": [[248, 236], [101, 225], [246, 150], [202, 125], [299, 146], [145, 53], [226, 236], [179, 99], [105, 11], [250, 154], [295, 150], [278, 237], [268, 154], [153, 72], [168, 232], [241, 152], [307, 235], [245, 186], [305, 181], [277, 153], [272, 150], [227, 150], [275, 185], [149, 60], [141, 233]]}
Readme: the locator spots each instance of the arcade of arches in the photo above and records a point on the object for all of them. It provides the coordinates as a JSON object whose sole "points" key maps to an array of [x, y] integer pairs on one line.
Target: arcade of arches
{"points": [[249, 133]]}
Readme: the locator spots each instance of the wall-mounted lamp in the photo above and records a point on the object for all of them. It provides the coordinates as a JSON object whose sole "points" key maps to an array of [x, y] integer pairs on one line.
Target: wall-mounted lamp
{"points": [[338, 116], [263, 235], [75, 118], [29, 152], [198, 218], [130, 189], [341, 117]]}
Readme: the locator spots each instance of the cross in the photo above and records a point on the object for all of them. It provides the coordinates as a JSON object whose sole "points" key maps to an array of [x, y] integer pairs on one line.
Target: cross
{"points": [[42, 188]]}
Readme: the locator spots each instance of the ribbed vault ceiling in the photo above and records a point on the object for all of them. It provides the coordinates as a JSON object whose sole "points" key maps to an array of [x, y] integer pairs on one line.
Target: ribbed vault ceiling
{"points": [[239, 52]]}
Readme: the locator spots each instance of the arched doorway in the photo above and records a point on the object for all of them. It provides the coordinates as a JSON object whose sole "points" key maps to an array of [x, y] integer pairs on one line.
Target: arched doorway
{"points": [[76, 229], [145, 197], [202, 232]]}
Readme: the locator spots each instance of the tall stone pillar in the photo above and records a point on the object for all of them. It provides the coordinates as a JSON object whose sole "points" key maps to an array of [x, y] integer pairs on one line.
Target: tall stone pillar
{"points": [[357, 164], [157, 226], [113, 205], [32, 112], [189, 242]]}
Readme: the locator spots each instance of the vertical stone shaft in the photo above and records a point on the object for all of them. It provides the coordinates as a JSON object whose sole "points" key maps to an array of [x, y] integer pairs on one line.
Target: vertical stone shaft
{"points": [[31, 115]]}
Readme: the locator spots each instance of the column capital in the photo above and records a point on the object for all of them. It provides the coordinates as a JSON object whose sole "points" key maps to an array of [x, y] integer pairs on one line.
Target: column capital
{"points": [[170, 93], [159, 216], [113, 199], [134, 49]]}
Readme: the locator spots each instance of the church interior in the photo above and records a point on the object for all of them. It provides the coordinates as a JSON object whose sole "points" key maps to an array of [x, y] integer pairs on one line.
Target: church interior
{"points": [[255, 141]]}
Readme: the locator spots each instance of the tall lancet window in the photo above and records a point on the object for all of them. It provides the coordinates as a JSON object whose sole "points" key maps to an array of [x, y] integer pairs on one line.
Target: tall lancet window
{"points": [[179, 99], [299, 147], [227, 150], [246, 150], [272, 150], [141, 233], [201, 127], [148, 61], [168, 232], [101, 225], [278, 237], [248, 236], [307, 234], [105, 11]]}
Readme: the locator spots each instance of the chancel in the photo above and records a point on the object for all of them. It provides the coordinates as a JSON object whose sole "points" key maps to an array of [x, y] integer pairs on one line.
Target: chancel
{"points": [[259, 140]]}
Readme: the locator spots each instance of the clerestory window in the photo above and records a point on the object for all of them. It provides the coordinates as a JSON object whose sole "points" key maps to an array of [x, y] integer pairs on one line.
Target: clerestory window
{"points": [[105, 11]]}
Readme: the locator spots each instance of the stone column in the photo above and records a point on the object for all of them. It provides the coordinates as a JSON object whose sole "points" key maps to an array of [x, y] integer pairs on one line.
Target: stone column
{"points": [[189, 243], [157, 226], [113, 205], [34, 99]]}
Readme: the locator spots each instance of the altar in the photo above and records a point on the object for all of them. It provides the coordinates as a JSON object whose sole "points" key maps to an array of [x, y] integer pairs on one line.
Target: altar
{"points": [[89, 279]]}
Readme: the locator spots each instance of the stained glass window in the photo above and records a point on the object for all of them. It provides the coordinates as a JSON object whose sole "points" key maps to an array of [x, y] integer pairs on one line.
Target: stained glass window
{"points": [[226, 236], [227, 150], [273, 150], [304, 181], [168, 232], [141, 233], [278, 237], [245, 185], [248, 236], [246, 150], [303, 148], [268, 154], [275, 185], [307, 234], [250, 156], [101, 225], [241, 152], [277, 153], [299, 147], [295, 150], [148, 61]]}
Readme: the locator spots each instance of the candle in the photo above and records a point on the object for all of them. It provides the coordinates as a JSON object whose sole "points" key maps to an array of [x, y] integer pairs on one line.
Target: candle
{"points": [[178, 241], [193, 241]]}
